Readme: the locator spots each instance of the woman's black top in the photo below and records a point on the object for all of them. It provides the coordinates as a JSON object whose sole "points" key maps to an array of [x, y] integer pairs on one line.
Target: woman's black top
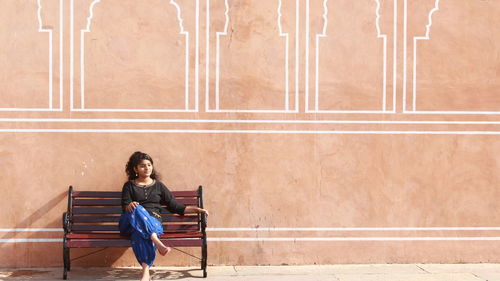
{"points": [[151, 197]]}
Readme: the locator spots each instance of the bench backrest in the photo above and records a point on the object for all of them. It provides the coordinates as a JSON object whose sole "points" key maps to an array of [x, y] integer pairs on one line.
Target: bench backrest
{"points": [[99, 212]]}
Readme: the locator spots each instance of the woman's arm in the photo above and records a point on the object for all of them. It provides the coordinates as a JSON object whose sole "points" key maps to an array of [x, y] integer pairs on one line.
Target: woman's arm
{"points": [[175, 207], [195, 210]]}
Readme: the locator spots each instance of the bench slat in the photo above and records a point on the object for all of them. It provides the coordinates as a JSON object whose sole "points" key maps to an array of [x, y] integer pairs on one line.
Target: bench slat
{"points": [[182, 242], [93, 210], [98, 194], [94, 227], [97, 202], [90, 243], [101, 236], [80, 210], [79, 219], [114, 227], [180, 227], [118, 194], [166, 218], [117, 202]]}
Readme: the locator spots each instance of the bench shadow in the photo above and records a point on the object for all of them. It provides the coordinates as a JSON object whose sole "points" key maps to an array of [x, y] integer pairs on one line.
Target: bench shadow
{"points": [[102, 273], [106, 257], [39, 214]]}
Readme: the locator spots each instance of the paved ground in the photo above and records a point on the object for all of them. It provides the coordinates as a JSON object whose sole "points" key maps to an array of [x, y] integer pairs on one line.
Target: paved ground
{"points": [[369, 272]]}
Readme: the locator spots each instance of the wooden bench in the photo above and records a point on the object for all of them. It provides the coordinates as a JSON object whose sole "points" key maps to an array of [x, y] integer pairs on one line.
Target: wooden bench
{"points": [[92, 222]]}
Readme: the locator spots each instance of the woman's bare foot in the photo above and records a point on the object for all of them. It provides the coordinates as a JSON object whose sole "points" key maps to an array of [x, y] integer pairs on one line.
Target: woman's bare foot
{"points": [[162, 249]]}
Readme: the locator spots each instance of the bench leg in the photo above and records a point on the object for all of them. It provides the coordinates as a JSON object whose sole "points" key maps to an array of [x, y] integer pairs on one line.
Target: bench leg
{"points": [[204, 258], [66, 262]]}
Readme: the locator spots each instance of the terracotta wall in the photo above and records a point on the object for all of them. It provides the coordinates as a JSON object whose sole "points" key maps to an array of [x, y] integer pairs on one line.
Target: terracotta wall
{"points": [[329, 131]]}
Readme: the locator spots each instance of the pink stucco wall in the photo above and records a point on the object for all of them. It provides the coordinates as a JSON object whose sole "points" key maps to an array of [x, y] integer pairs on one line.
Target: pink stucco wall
{"points": [[329, 131]]}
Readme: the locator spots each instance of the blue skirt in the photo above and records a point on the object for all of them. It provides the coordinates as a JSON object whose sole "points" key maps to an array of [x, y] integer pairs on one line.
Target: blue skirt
{"points": [[140, 225]]}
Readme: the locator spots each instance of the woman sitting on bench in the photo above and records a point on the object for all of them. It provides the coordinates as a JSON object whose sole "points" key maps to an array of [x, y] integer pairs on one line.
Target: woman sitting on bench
{"points": [[142, 196]]}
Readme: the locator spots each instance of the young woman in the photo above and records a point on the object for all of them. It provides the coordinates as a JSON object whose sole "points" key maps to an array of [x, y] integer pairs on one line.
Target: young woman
{"points": [[142, 196]]}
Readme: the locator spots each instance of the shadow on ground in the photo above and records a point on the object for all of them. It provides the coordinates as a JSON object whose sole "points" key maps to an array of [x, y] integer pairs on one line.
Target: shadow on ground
{"points": [[91, 273]]}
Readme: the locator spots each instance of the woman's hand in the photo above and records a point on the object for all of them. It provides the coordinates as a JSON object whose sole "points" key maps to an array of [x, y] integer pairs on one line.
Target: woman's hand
{"points": [[203, 211], [194, 209], [130, 207]]}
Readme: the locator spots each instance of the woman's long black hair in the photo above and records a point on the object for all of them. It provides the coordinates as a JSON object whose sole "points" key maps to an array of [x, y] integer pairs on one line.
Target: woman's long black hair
{"points": [[134, 160]]}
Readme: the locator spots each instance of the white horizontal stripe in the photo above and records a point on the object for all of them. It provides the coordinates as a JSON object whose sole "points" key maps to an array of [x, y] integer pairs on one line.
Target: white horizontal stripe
{"points": [[269, 229], [31, 229], [111, 120], [312, 239], [30, 109], [248, 131], [293, 239], [132, 110], [452, 112], [354, 229], [24, 240]]}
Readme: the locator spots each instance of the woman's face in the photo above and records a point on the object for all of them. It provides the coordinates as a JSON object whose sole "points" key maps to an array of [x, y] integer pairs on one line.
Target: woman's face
{"points": [[144, 169]]}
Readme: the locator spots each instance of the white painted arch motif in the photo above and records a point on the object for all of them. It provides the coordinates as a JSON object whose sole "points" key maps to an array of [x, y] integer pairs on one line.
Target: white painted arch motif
{"points": [[215, 93], [314, 108], [50, 96], [188, 95], [414, 91]]}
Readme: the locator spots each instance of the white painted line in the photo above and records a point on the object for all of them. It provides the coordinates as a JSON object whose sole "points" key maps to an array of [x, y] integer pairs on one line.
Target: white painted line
{"points": [[297, 40], [248, 132], [340, 239], [130, 110], [256, 121], [24, 240], [61, 52], [405, 51], [395, 56], [280, 229], [31, 229], [197, 59], [341, 229], [27, 109], [294, 239], [72, 55], [207, 56], [454, 112]]}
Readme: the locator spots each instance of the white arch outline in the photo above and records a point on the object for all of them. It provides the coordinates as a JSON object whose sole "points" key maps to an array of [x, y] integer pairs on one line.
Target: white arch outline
{"points": [[384, 79], [50, 106], [82, 63], [217, 64], [415, 60]]}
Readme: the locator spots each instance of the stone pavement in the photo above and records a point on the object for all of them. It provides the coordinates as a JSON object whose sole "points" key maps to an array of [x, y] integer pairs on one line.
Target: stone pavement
{"points": [[368, 272]]}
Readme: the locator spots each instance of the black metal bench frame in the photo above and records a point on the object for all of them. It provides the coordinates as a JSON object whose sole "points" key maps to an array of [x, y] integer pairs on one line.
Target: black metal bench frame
{"points": [[91, 221]]}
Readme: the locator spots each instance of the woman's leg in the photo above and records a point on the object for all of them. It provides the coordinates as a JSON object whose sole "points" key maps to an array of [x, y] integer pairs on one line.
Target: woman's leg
{"points": [[149, 227], [145, 272], [162, 249], [144, 249]]}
